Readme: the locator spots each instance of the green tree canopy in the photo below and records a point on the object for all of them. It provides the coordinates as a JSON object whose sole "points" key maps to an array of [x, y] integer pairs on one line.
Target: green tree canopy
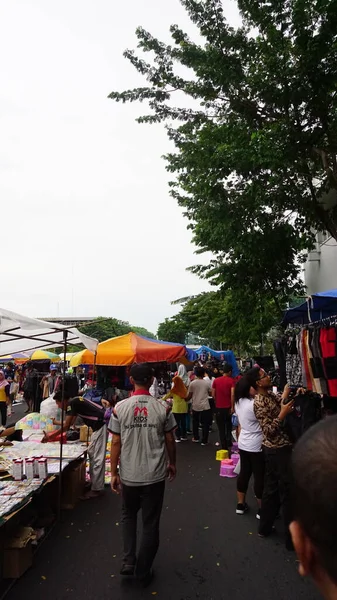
{"points": [[104, 329], [231, 321], [173, 330], [256, 142]]}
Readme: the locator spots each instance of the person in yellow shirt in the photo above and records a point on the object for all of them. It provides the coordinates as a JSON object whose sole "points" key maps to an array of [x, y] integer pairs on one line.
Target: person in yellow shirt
{"points": [[178, 393], [4, 397]]}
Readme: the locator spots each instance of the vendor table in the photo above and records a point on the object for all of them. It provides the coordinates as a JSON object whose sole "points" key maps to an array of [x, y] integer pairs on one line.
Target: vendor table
{"points": [[15, 494]]}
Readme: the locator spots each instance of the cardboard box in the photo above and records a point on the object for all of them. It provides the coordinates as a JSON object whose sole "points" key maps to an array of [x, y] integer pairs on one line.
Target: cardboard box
{"points": [[85, 433], [18, 555], [73, 481], [16, 561]]}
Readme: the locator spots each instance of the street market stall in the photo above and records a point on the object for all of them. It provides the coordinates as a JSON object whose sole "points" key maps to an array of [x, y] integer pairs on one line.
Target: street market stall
{"points": [[24, 334], [132, 348], [317, 307], [206, 353], [307, 352]]}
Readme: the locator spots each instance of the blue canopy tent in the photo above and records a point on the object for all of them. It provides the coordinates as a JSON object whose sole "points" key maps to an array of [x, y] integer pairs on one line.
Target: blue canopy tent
{"points": [[223, 355], [316, 308]]}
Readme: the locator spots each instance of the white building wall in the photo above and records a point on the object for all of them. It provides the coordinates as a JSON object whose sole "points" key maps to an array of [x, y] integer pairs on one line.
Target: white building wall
{"points": [[320, 269]]}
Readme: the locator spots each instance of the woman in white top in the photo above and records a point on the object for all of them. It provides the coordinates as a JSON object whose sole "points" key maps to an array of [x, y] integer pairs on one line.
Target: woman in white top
{"points": [[250, 442]]}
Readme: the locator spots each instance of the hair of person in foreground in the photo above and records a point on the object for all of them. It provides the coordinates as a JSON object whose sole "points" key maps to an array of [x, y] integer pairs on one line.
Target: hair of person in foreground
{"points": [[314, 529]]}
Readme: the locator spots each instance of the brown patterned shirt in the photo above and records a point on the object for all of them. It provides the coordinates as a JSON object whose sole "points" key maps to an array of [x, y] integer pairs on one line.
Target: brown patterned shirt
{"points": [[267, 409]]}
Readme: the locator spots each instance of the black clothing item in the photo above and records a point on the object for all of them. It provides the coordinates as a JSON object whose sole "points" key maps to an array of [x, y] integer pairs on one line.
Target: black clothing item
{"points": [[251, 463], [307, 411], [277, 489], [280, 351], [71, 385], [316, 366], [265, 362], [148, 499], [223, 419], [203, 418], [181, 425], [31, 384], [3, 412], [330, 366], [91, 413], [330, 404], [9, 374]]}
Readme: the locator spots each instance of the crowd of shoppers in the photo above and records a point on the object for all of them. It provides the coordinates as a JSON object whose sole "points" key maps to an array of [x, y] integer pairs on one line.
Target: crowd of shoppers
{"points": [[145, 430]]}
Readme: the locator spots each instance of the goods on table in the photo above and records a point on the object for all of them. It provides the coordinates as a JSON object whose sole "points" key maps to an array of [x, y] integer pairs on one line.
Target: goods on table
{"points": [[13, 493], [36, 421], [29, 449], [107, 463]]}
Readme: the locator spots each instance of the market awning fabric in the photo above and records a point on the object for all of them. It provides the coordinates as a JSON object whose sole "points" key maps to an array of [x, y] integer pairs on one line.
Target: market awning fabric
{"points": [[16, 356], [69, 355], [317, 307], [128, 349], [45, 355], [24, 334]]}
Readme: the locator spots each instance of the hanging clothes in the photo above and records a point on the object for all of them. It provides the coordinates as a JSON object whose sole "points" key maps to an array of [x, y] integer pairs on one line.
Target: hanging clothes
{"points": [[307, 352], [280, 349], [317, 361], [328, 340], [301, 349], [293, 363]]}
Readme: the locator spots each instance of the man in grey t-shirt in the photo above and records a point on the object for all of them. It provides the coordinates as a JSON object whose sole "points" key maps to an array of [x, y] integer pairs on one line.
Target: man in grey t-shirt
{"points": [[199, 392], [142, 429]]}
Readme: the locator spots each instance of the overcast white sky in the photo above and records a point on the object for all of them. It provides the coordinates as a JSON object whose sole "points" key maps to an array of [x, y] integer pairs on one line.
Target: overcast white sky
{"points": [[88, 225]]}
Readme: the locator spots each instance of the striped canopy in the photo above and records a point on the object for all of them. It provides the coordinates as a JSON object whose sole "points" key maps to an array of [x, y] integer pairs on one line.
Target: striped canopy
{"points": [[45, 355]]}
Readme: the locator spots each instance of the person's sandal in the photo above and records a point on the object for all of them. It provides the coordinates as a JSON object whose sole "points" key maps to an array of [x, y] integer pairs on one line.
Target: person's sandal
{"points": [[127, 570]]}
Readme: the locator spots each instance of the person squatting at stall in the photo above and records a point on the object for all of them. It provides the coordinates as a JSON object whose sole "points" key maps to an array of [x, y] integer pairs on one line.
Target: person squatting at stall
{"points": [[314, 529], [142, 435], [92, 415]]}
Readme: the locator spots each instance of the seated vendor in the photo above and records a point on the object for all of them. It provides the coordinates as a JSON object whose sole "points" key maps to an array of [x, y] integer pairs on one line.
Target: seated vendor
{"points": [[93, 416]]}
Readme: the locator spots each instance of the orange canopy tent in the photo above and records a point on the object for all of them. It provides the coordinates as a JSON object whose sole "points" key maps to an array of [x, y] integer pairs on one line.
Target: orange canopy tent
{"points": [[128, 349]]}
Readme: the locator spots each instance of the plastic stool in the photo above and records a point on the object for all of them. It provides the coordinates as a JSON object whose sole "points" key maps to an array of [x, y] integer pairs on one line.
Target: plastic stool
{"points": [[227, 461], [227, 471], [221, 454]]}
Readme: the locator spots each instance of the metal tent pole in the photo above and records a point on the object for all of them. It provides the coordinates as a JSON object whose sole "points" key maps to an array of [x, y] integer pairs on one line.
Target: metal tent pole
{"points": [[65, 338]]}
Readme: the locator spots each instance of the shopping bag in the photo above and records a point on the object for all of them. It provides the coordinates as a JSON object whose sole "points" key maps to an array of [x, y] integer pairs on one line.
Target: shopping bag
{"points": [[237, 468]]}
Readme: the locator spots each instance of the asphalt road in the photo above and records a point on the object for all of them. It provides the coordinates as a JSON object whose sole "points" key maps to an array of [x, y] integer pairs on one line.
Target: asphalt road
{"points": [[207, 552]]}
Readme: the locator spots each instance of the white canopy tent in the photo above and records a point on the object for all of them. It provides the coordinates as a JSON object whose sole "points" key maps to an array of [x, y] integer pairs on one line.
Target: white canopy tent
{"points": [[22, 334]]}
